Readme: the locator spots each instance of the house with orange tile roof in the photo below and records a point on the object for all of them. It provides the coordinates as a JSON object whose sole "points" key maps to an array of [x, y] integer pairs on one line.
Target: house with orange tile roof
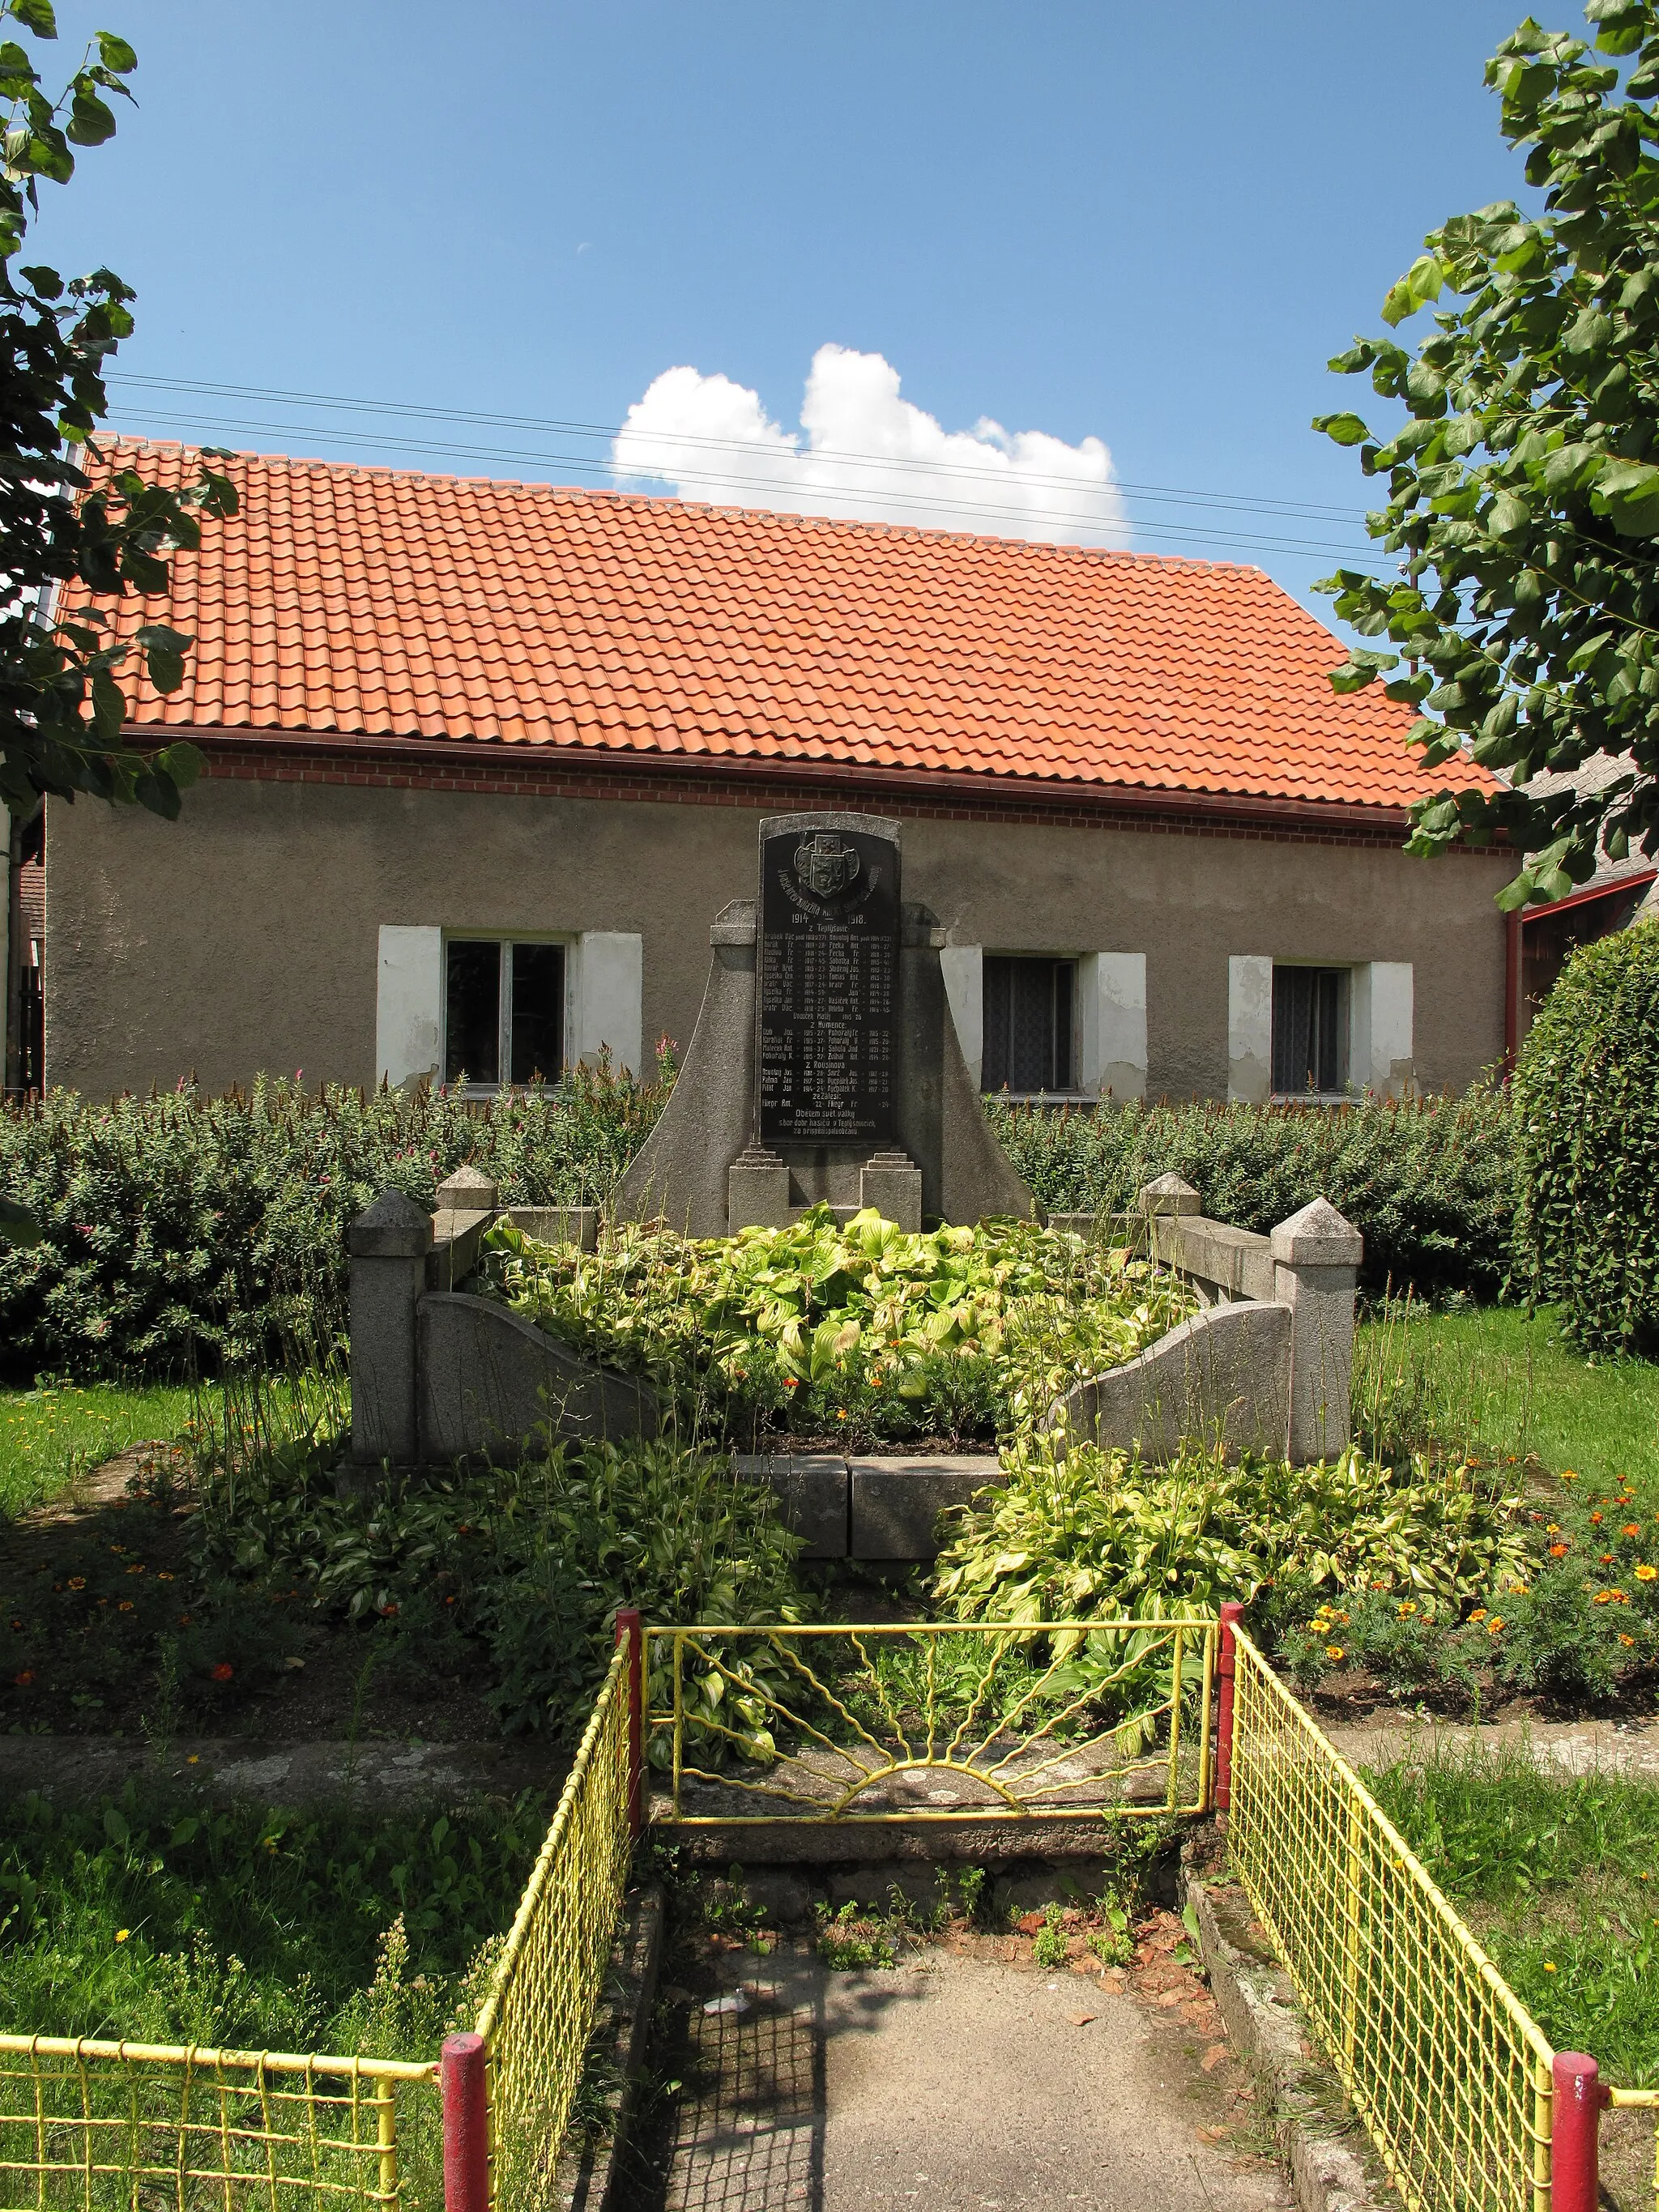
{"points": [[484, 760]]}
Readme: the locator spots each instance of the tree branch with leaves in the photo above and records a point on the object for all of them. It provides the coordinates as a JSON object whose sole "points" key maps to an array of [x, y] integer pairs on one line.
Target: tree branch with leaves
{"points": [[63, 712], [1523, 488]]}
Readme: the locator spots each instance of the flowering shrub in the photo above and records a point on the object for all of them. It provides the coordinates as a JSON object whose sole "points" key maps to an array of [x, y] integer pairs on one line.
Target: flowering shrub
{"points": [[182, 1230], [826, 1322]]}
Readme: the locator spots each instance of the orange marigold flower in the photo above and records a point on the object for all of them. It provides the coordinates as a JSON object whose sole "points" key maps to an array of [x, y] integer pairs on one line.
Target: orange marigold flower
{"points": [[1557, 1551], [223, 1671], [77, 1582], [1647, 1574], [22, 1681]]}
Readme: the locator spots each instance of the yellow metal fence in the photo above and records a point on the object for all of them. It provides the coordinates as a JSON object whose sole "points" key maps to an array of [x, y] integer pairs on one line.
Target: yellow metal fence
{"points": [[86, 2125], [1451, 2074], [537, 2017]]}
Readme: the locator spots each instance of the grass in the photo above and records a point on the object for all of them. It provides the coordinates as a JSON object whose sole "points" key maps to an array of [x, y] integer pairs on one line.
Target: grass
{"points": [[1559, 1879], [51, 1436], [157, 1917], [1501, 1381]]}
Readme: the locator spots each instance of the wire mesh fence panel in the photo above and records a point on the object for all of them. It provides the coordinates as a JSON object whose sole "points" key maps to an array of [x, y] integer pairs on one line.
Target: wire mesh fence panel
{"points": [[536, 2019], [1447, 2070], [87, 2125], [930, 1722]]}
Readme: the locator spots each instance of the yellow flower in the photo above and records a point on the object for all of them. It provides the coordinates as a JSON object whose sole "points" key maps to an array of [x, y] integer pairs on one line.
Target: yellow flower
{"points": [[1647, 1574], [1495, 1623], [1333, 1651], [1549, 1966], [1406, 1611], [1479, 1612], [1568, 1475], [122, 1934]]}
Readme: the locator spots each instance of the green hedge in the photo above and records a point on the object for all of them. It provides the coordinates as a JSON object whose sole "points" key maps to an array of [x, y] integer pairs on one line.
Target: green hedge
{"points": [[1587, 1101], [1430, 1182], [182, 1230]]}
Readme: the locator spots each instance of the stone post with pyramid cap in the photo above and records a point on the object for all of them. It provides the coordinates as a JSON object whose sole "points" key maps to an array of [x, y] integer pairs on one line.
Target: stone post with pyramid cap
{"points": [[389, 1244], [1316, 1255]]}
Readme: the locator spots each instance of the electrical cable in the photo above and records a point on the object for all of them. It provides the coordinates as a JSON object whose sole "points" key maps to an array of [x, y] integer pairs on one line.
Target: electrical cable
{"points": [[557, 426], [582, 464]]}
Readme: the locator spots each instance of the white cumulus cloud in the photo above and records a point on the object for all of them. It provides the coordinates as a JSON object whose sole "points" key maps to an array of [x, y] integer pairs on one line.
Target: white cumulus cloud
{"points": [[863, 451]]}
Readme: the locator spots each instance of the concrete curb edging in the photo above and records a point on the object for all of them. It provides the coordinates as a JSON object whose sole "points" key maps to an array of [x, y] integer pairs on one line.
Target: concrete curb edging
{"points": [[1268, 2034], [587, 2174]]}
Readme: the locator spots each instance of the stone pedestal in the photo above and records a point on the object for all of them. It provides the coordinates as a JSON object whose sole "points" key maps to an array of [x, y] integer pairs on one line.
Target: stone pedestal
{"points": [[389, 1244], [892, 1183], [757, 1191]]}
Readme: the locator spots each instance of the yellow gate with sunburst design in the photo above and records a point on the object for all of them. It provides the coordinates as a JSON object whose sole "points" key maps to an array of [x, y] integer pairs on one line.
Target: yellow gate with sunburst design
{"points": [[923, 1721]]}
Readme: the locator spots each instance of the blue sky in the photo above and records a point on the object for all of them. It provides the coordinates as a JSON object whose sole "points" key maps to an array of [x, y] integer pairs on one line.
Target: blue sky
{"points": [[1078, 217]]}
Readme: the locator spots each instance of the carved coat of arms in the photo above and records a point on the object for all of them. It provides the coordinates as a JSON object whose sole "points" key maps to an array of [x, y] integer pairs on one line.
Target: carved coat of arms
{"points": [[825, 865]]}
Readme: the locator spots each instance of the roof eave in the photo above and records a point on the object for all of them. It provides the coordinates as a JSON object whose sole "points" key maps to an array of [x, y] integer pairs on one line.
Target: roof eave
{"points": [[1280, 811]]}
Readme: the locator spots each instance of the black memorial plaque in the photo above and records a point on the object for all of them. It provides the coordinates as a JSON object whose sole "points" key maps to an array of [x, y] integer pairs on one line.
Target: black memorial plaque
{"points": [[829, 986]]}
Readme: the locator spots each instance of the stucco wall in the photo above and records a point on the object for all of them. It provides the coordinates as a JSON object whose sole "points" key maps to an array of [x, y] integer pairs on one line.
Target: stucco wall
{"points": [[244, 936]]}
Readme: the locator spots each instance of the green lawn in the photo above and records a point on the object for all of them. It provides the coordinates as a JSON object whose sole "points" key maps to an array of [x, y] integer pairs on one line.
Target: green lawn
{"points": [[48, 1438], [1502, 1382], [1558, 1879]]}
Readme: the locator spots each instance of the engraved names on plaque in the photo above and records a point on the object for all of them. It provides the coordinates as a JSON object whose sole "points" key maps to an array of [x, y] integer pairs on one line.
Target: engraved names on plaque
{"points": [[829, 983]]}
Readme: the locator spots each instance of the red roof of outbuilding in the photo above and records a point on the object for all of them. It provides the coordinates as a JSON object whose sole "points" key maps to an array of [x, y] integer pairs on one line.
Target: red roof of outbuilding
{"points": [[374, 604]]}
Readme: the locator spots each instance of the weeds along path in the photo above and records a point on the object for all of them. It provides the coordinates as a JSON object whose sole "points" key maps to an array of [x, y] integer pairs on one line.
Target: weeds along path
{"points": [[957, 2081]]}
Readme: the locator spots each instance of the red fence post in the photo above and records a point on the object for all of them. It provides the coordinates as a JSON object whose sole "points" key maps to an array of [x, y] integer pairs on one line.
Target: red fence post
{"points": [[1575, 2118], [630, 1632], [1226, 1667], [466, 2124]]}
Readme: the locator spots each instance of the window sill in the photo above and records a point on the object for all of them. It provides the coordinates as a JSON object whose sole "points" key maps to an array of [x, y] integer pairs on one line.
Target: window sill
{"points": [[1045, 1098]]}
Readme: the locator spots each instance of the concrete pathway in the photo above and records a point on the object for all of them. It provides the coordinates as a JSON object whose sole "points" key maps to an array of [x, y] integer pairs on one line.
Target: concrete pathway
{"points": [[1614, 1746], [955, 2082]]}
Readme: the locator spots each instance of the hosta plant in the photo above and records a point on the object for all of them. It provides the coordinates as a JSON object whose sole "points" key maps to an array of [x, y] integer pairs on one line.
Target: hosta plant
{"points": [[838, 1317], [1084, 1533]]}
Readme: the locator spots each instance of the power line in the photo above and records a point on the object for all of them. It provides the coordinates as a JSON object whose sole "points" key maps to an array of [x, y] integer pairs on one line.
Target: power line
{"points": [[553, 425], [582, 464]]}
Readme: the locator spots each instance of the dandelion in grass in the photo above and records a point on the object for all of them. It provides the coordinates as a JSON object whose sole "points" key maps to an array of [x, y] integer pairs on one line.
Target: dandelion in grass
{"points": [[122, 1934]]}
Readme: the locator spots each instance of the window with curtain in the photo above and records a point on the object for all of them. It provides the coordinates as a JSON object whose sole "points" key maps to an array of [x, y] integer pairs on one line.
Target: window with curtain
{"points": [[1029, 1025], [1310, 1016], [503, 1010]]}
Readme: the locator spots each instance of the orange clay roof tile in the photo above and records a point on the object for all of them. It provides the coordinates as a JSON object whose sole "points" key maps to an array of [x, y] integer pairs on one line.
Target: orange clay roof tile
{"points": [[375, 604]]}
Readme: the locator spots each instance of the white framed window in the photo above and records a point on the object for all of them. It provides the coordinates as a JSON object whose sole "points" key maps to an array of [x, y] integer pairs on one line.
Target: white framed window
{"points": [[505, 1010], [1029, 1033]]}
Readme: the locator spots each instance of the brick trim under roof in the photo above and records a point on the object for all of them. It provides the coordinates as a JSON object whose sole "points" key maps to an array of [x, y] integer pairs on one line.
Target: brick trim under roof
{"points": [[434, 615]]}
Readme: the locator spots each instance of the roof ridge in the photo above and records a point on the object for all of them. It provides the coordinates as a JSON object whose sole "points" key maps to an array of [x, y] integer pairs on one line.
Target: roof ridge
{"points": [[720, 509]]}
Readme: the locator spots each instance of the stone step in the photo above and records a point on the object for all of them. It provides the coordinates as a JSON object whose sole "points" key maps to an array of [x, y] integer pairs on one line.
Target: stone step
{"points": [[869, 1507]]}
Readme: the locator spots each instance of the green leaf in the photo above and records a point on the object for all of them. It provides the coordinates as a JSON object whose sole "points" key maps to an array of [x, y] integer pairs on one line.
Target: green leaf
{"points": [[17, 1224], [36, 16], [109, 706], [182, 764], [91, 121], [1507, 516], [1628, 493], [1342, 429], [115, 53], [164, 652]]}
